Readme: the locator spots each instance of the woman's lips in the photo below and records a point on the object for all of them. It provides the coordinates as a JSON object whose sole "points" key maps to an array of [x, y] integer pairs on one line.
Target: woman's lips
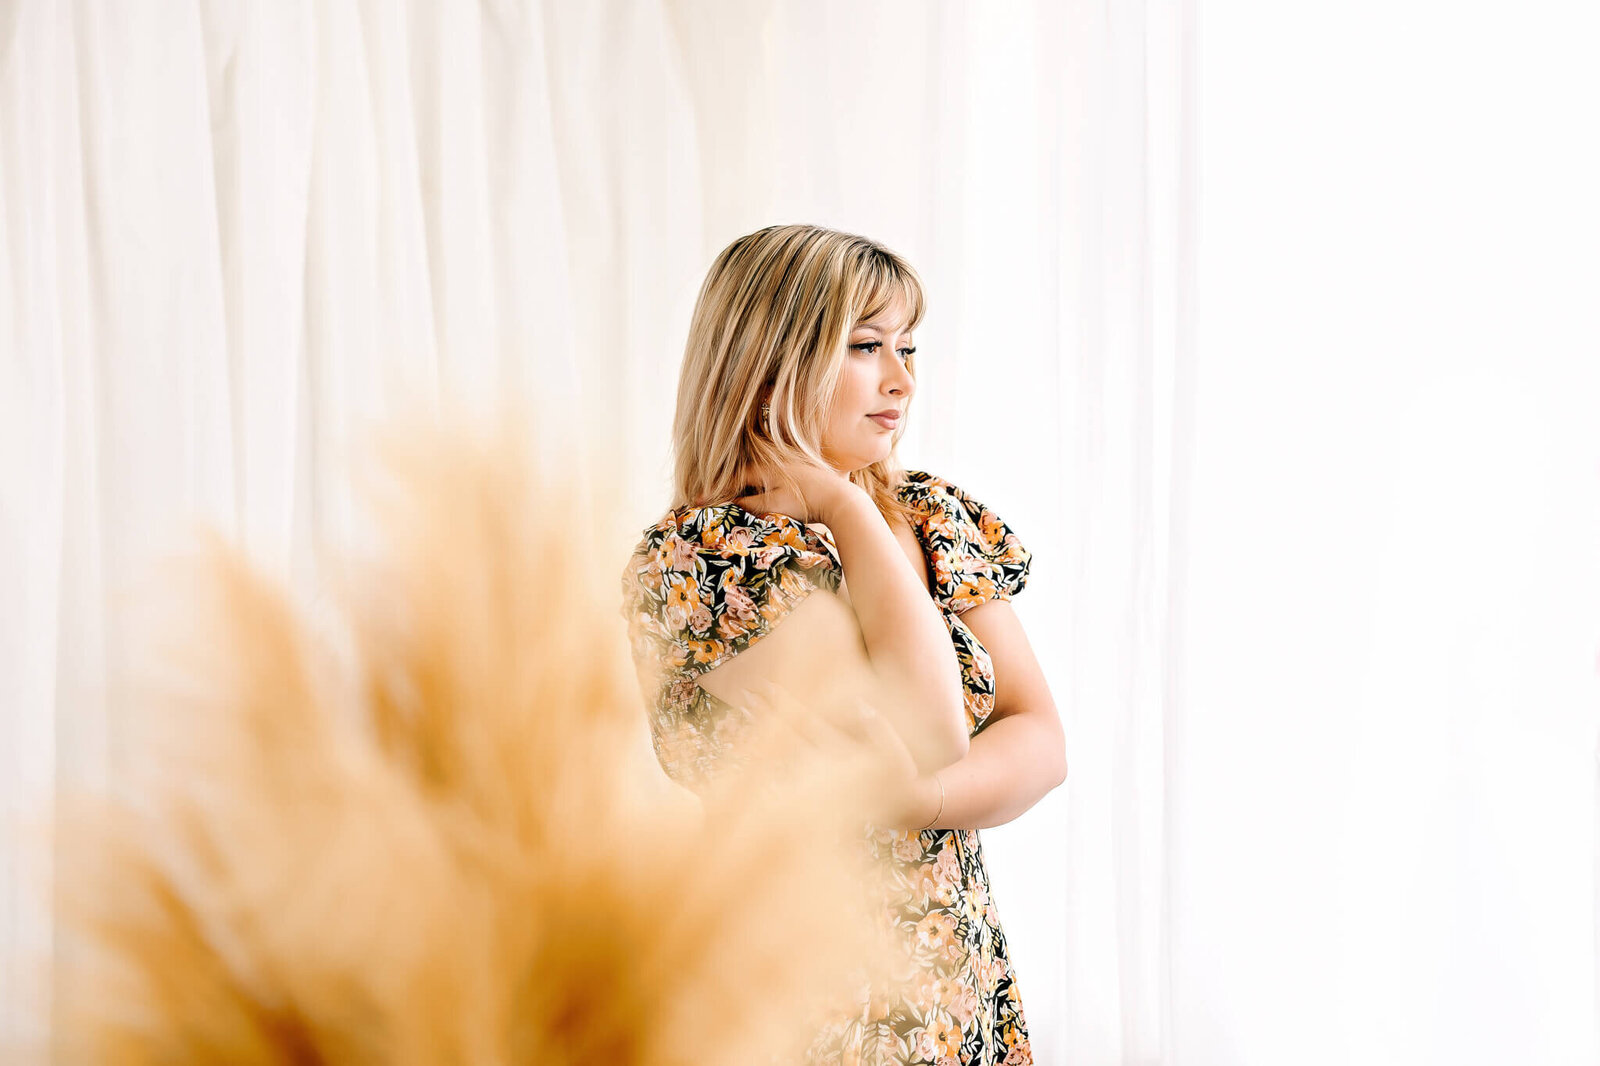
{"points": [[886, 421]]}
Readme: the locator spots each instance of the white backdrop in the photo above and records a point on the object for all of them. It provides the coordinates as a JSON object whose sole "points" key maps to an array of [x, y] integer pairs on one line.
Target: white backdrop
{"points": [[1282, 371], [1386, 847]]}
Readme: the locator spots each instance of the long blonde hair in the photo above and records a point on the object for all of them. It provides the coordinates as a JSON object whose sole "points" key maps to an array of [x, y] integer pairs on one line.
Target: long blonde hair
{"points": [[770, 324]]}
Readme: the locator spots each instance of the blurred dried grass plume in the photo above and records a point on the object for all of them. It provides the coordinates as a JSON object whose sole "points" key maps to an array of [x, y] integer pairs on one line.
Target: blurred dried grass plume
{"points": [[413, 833]]}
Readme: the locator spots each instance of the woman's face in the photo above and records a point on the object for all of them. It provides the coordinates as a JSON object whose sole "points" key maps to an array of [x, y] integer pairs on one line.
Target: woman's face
{"points": [[874, 388]]}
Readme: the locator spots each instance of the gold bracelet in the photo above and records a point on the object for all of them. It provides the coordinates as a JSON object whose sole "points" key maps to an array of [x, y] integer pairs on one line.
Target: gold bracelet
{"points": [[938, 812]]}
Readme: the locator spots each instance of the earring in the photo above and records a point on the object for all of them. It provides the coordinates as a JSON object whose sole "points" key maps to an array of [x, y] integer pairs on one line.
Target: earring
{"points": [[766, 410]]}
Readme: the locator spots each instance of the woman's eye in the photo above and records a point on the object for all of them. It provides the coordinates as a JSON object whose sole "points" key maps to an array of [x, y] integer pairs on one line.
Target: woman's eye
{"points": [[871, 348]]}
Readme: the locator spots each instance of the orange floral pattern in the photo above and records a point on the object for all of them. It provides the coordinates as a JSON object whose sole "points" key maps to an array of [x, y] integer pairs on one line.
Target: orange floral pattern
{"points": [[707, 582]]}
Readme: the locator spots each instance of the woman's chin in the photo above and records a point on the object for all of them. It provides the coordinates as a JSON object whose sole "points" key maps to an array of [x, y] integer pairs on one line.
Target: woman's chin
{"points": [[861, 463], [864, 456]]}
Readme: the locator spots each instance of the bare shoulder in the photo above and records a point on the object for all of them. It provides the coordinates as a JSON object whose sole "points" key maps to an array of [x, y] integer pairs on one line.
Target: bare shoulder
{"points": [[818, 640]]}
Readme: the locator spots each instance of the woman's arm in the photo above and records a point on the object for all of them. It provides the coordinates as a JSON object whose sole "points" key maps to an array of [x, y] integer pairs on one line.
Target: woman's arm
{"points": [[1018, 756], [905, 637]]}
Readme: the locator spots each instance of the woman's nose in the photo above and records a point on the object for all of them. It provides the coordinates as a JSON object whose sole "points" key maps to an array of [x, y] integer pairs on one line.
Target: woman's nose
{"points": [[899, 381]]}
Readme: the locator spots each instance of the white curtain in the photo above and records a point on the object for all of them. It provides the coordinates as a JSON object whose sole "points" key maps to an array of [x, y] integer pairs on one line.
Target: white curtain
{"points": [[232, 231], [1386, 834], [1271, 332], [1315, 555]]}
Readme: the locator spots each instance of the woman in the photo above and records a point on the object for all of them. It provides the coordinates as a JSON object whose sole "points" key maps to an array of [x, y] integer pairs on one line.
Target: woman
{"points": [[794, 390]]}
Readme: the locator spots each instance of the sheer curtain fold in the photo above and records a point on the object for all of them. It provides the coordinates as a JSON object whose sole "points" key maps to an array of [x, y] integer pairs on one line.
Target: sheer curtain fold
{"points": [[1124, 384], [232, 234]]}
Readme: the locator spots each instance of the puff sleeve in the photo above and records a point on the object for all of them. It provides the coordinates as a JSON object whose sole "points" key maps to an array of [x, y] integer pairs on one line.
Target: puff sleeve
{"points": [[708, 582], [975, 556]]}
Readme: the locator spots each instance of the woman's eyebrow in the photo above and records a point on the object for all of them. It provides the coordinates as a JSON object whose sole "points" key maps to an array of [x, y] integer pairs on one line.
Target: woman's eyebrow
{"points": [[879, 329]]}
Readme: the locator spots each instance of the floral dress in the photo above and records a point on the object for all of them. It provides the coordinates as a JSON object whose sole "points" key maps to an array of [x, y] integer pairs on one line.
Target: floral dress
{"points": [[706, 582]]}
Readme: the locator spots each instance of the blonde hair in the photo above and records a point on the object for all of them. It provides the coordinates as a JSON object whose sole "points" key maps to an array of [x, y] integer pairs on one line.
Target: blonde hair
{"points": [[770, 324]]}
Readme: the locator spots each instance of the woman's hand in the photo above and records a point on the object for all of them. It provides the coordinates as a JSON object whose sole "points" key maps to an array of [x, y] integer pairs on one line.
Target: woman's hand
{"points": [[859, 745], [822, 489]]}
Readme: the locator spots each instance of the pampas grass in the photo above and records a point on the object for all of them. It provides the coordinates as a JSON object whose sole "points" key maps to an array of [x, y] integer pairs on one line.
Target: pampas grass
{"points": [[415, 832]]}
